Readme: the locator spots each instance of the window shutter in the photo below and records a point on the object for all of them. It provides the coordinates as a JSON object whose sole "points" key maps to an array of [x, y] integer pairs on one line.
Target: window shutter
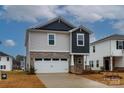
{"points": [[117, 44]]}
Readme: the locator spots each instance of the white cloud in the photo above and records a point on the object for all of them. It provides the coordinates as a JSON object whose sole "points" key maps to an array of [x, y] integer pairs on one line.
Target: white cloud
{"points": [[96, 13], [9, 43], [92, 38], [28, 13], [82, 13], [119, 26]]}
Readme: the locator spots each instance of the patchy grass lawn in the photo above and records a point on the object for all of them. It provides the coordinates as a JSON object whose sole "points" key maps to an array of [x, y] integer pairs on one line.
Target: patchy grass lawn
{"points": [[100, 78], [19, 79]]}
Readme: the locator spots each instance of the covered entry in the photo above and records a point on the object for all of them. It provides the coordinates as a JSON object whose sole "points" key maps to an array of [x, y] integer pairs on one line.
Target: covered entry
{"points": [[77, 64], [108, 63]]}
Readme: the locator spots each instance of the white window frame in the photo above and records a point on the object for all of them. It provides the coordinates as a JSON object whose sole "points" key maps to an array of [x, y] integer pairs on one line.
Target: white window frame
{"points": [[54, 38], [78, 39]]}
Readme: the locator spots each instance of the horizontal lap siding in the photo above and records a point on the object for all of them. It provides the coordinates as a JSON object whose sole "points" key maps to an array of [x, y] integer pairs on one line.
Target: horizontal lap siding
{"points": [[80, 49]]}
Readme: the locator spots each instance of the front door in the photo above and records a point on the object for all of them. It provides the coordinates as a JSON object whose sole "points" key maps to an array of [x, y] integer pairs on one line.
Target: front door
{"points": [[78, 64], [107, 64]]}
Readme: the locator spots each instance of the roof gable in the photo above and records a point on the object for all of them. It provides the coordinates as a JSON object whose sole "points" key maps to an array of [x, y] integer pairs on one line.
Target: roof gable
{"points": [[81, 28], [57, 24]]}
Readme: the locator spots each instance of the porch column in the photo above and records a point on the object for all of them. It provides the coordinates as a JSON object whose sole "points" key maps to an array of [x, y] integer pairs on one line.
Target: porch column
{"points": [[84, 59], [111, 63], [72, 60]]}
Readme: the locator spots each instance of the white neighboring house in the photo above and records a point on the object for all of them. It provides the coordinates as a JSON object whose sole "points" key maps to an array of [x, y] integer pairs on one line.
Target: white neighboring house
{"points": [[23, 64], [107, 53], [5, 62]]}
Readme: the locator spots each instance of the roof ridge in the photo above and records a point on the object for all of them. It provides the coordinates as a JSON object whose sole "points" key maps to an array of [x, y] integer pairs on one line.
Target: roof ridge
{"points": [[107, 37]]}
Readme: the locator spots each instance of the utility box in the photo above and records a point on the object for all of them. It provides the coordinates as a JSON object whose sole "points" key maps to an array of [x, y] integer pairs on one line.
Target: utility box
{"points": [[3, 76]]}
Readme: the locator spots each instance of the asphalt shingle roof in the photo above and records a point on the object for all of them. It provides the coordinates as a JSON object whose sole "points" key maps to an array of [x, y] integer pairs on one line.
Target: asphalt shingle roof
{"points": [[3, 54]]}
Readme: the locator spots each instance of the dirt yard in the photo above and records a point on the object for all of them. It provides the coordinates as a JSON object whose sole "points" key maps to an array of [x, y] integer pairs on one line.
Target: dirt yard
{"points": [[19, 79], [100, 78]]}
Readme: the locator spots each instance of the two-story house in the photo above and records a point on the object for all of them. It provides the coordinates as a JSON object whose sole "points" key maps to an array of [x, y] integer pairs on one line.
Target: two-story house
{"points": [[5, 62], [107, 53], [57, 47]]}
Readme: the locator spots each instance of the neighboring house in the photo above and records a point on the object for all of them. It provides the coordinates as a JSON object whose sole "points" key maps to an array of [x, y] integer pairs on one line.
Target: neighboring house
{"points": [[57, 46], [5, 62], [23, 64], [19, 63], [107, 53]]}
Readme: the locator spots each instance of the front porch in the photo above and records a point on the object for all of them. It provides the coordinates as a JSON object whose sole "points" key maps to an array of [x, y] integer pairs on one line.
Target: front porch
{"points": [[77, 63], [113, 63]]}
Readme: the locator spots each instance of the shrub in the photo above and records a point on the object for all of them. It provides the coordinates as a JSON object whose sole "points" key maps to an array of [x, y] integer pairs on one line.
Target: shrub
{"points": [[32, 70]]}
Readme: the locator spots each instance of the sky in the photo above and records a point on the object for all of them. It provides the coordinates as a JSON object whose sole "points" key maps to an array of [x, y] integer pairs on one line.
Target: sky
{"points": [[14, 20]]}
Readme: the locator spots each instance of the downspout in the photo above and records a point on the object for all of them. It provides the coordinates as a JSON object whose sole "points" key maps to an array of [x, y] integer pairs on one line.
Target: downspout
{"points": [[111, 58], [29, 51]]}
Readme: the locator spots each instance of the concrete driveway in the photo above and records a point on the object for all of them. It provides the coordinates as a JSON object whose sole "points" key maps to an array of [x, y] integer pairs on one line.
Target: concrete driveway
{"points": [[68, 81]]}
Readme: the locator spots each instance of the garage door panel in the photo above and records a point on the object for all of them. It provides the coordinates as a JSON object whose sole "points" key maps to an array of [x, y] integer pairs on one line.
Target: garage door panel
{"points": [[51, 66]]}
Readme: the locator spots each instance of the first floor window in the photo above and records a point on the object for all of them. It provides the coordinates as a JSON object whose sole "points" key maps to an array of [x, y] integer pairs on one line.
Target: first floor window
{"points": [[4, 67], [1, 67], [80, 39], [93, 49], [91, 64], [97, 63], [51, 39]]}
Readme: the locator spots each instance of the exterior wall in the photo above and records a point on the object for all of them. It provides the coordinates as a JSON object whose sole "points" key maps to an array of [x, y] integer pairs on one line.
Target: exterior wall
{"points": [[7, 63], [28, 55], [39, 42], [119, 62], [80, 49], [101, 50]]}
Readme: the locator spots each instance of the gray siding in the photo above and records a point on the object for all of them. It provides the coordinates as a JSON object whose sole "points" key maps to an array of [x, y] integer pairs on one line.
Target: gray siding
{"points": [[80, 49], [57, 26]]}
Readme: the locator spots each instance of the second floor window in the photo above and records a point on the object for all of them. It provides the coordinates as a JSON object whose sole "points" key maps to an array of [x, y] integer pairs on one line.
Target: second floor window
{"points": [[93, 49], [7, 58], [51, 38], [120, 44], [80, 39]]}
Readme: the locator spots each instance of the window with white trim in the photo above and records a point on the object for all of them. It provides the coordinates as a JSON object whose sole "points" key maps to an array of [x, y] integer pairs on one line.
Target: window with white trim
{"points": [[80, 39], [120, 44], [51, 39]]}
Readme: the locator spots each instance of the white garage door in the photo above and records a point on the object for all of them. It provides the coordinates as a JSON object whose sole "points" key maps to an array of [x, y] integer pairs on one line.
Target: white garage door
{"points": [[48, 65]]}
